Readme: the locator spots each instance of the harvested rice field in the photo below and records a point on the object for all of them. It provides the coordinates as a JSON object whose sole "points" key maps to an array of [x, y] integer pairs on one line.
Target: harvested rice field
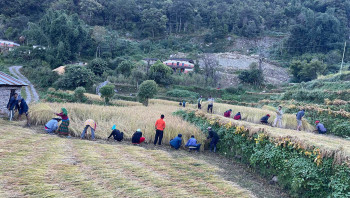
{"points": [[40, 165]]}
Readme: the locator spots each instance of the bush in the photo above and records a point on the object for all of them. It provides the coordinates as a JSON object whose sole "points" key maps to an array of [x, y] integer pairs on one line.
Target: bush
{"points": [[253, 76], [79, 94], [125, 68], [107, 92], [148, 89], [304, 71], [178, 93], [98, 66], [160, 73], [75, 76], [342, 129]]}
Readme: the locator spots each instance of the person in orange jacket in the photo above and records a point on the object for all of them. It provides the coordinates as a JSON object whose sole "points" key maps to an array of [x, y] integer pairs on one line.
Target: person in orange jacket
{"points": [[159, 126]]}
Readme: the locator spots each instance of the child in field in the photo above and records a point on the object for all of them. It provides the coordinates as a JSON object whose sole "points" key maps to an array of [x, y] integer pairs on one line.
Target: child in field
{"points": [[193, 143], [137, 137], [89, 124], [265, 119], [117, 135], [176, 142], [52, 125]]}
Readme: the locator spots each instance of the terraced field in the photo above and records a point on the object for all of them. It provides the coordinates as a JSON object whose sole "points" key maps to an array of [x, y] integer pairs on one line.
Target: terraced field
{"points": [[40, 165]]}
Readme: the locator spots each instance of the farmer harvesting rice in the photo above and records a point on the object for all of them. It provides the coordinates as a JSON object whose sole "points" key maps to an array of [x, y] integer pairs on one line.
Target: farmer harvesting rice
{"points": [[137, 137], [176, 142], [214, 139], [52, 125], [278, 119], [63, 129], [12, 105], [238, 116], [227, 113], [23, 109], [300, 116], [211, 104], [265, 119], [160, 126], [200, 102], [192, 142], [89, 124], [320, 127], [117, 135]]}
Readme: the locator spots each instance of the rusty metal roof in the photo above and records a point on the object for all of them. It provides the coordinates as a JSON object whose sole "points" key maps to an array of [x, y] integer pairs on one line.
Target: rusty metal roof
{"points": [[9, 80]]}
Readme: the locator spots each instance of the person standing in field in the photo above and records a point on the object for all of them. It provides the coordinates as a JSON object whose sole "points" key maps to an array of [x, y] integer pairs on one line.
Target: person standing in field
{"points": [[320, 127], [300, 116], [89, 124], [52, 125], [63, 128], [23, 109], [159, 126], [214, 139], [137, 137], [183, 103], [278, 119], [176, 142], [192, 142], [117, 135], [210, 104], [12, 105], [199, 101]]}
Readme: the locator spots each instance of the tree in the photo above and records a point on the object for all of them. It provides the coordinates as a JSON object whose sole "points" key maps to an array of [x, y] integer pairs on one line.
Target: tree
{"points": [[304, 71], [148, 89], [253, 76], [154, 22], [75, 76], [125, 68], [160, 73], [138, 76], [107, 92], [79, 94], [98, 66]]}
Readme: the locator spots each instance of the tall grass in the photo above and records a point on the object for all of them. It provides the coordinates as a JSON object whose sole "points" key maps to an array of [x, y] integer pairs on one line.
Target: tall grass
{"points": [[254, 115], [127, 119]]}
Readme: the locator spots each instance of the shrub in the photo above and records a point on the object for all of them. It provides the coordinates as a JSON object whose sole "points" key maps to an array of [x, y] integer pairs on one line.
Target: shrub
{"points": [[107, 92], [148, 89], [98, 66], [178, 93], [160, 73], [252, 76], [79, 94], [75, 76], [125, 68]]}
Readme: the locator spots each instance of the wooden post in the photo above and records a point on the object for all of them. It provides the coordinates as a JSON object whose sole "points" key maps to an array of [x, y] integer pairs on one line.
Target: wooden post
{"points": [[342, 60]]}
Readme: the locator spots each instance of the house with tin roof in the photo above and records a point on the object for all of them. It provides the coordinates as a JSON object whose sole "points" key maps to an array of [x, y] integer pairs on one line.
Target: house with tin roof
{"points": [[8, 87]]}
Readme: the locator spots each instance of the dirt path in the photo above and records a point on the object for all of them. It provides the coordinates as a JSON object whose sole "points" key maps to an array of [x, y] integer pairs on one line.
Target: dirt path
{"points": [[32, 94]]}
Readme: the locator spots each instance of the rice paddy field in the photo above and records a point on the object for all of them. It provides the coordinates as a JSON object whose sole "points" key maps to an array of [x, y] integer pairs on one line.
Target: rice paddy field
{"points": [[41, 165]]}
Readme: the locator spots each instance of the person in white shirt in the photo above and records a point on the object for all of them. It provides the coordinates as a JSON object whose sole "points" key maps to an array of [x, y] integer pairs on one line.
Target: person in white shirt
{"points": [[278, 119]]}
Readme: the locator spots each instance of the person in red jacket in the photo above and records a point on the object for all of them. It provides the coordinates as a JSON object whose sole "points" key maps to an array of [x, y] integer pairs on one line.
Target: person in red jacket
{"points": [[227, 113], [160, 126], [238, 116]]}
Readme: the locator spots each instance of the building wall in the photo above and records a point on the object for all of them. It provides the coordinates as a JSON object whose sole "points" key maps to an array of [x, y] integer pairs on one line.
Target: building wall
{"points": [[5, 92]]}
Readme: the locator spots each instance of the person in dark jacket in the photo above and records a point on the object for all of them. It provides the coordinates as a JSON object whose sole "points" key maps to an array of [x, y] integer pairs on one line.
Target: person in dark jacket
{"points": [[12, 105], [23, 109], [117, 135], [238, 116], [265, 119], [176, 142], [214, 139], [137, 137], [227, 113]]}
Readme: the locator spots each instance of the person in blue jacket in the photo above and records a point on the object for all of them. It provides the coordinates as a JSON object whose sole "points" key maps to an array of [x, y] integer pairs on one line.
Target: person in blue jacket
{"points": [[176, 142], [12, 105], [23, 109]]}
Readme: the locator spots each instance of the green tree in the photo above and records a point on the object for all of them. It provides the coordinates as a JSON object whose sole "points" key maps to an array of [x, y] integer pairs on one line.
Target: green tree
{"points": [[98, 66], [160, 73], [79, 94], [154, 22], [107, 92], [75, 76], [125, 68], [304, 71], [148, 89], [253, 76]]}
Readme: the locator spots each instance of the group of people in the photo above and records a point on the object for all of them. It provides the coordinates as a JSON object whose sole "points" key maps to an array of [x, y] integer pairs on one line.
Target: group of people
{"points": [[278, 120], [17, 103], [137, 138]]}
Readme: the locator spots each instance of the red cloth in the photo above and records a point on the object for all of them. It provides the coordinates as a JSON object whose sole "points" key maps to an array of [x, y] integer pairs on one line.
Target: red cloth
{"points": [[227, 114], [237, 117], [64, 117], [142, 139]]}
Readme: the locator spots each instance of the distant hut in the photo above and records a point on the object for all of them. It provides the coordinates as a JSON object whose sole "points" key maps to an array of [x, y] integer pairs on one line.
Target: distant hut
{"points": [[8, 87], [182, 65]]}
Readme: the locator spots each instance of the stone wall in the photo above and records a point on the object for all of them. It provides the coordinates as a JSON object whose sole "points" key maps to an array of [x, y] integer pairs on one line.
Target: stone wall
{"points": [[5, 96]]}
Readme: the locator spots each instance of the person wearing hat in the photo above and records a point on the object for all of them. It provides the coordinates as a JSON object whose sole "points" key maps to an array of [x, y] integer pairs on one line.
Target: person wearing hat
{"points": [[238, 116], [265, 119], [89, 124], [117, 135], [137, 137], [227, 113], [320, 127], [278, 119], [52, 125], [176, 142], [214, 139], [63, 128]]}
